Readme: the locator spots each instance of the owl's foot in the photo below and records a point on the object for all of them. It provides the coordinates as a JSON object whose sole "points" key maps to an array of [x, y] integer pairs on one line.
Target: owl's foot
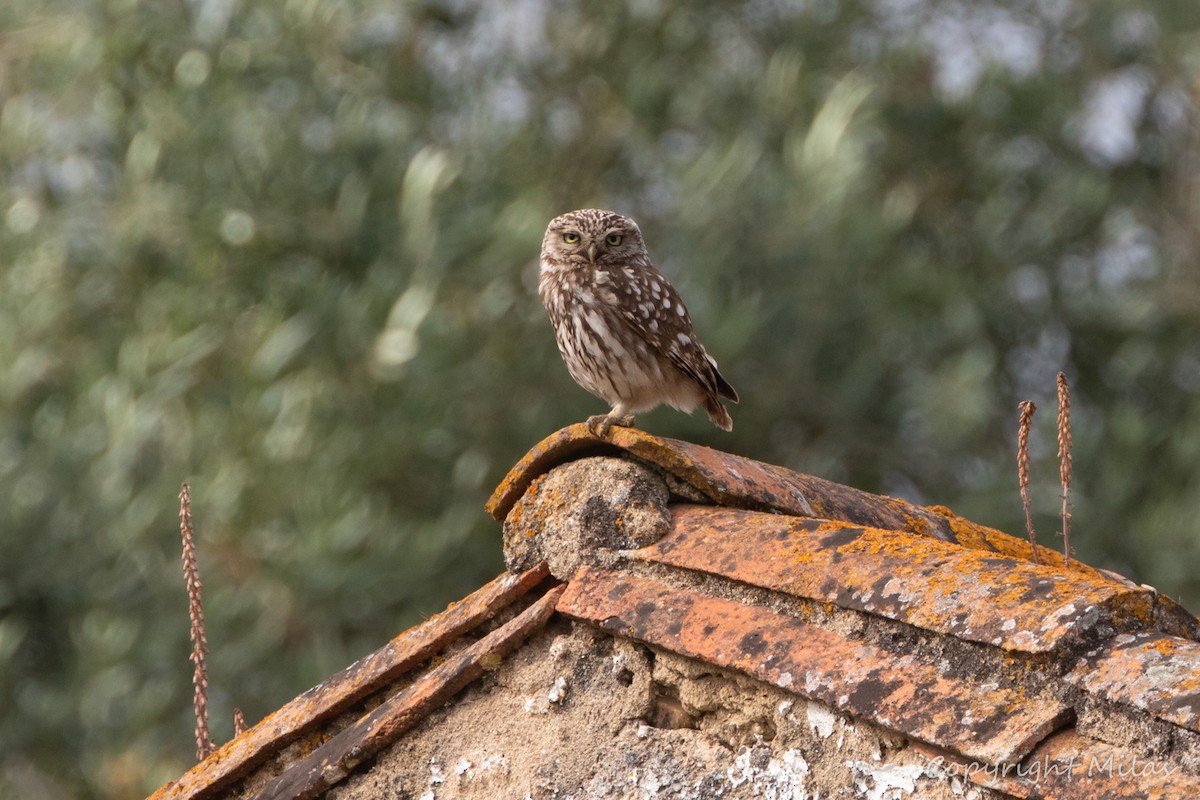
{"points": [[601, 424]]}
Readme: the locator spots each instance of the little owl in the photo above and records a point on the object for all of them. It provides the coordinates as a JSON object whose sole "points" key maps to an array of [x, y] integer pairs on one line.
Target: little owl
{"points": [[622, 329]]}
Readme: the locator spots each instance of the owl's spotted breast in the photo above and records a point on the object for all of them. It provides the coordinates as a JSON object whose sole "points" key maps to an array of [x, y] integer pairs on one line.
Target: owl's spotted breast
{"points": [[622, 329]]}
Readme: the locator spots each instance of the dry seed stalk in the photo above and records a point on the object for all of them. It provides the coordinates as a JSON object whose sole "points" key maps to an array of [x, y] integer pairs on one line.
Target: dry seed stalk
{"points": [[1028, 407], [191, 575], [1064, 461]]}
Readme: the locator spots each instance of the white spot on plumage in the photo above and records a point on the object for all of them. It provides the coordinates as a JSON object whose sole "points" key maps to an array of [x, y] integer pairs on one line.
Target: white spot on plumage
{"points": [[599, 328]]}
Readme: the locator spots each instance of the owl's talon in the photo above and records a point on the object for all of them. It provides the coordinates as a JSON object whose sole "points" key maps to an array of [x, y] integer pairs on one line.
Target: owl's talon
{"points": [[601, 424]]}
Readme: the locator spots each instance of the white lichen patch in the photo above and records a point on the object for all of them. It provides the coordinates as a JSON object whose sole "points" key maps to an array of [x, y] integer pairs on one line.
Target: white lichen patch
{"points": [[537, 705], [483, 767], [1023, 639], [885, 781], [821, 719], [1064, 614], [560, 689], [776, 778], [650, 782], [437, 776]]}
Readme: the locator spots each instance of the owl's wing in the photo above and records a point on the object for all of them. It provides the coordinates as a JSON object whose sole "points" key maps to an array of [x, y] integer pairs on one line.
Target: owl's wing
{"points": [[656, 312]]}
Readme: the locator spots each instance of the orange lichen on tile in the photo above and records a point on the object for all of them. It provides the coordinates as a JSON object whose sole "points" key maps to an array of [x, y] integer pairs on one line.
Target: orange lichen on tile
{"points": [[897, 690], [969, 594], [1157, 673], [981, 537], [362, 678]]}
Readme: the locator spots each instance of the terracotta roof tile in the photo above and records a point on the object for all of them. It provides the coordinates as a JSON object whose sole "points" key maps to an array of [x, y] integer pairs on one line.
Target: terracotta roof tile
{"points": [[969, 594], [1157, 673], [236, 758], [991, 723], [736, 481]]}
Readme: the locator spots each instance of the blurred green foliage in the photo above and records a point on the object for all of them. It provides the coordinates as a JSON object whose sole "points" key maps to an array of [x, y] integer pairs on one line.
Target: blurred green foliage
{"points": [[286, 251]]}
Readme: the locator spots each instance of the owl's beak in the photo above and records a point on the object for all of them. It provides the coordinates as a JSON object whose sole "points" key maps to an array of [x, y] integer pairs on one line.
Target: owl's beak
{"points": [[591, 251]]}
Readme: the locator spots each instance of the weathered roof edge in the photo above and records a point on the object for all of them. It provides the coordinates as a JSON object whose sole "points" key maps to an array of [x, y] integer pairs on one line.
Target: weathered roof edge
{"points": [[334, 760], [238, 757]]}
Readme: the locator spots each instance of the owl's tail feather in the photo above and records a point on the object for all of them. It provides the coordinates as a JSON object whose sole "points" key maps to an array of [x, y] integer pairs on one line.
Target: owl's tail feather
{"points": [[717, 413], [723, 387]]}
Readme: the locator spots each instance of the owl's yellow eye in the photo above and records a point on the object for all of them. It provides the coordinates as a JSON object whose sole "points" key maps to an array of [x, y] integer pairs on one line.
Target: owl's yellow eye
{"points": [[614, 239], [570, 237]]}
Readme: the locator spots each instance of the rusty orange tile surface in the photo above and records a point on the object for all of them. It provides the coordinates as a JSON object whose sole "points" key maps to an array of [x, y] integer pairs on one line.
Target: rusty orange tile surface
{"points": [[736, 481], [1068, 766], [969, 594], [332, 696], [1157, 673], [893, 689]]}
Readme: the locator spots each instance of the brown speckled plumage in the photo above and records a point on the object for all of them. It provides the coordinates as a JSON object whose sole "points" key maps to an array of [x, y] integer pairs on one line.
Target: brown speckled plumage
{"points": [[622, 329]]}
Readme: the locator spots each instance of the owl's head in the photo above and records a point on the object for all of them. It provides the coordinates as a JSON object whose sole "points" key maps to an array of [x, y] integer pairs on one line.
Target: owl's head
{"points": [[592, 236]]}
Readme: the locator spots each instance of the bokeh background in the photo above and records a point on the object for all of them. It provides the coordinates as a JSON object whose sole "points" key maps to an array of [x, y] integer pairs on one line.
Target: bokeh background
{"points": [[286, 250]]}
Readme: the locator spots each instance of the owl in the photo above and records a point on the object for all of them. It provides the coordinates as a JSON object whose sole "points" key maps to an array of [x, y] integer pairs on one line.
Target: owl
{"points": [[621, 327]]}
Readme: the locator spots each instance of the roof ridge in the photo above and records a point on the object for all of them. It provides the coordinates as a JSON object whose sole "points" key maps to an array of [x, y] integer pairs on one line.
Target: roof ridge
{"points": [[736, 481]]}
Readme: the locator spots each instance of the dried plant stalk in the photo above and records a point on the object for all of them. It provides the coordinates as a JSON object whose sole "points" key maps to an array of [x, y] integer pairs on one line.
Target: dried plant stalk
{"points": [[1028, 408], [239, 722], [191, 575], [1064, 461]]}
